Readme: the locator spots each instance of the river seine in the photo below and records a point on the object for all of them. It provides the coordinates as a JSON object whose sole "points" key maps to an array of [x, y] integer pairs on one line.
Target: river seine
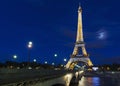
{"points": [[97, 81]]}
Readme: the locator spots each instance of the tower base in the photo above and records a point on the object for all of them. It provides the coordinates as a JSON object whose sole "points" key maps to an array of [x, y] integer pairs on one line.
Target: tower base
{"points": [[73, 61]]}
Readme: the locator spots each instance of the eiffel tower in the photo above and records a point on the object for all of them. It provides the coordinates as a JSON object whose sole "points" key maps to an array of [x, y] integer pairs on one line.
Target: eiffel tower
{"points": [[76, 57]]}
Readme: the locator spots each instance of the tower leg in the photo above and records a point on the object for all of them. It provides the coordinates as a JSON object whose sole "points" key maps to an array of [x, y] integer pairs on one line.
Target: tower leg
{"points": [[84, 51]]}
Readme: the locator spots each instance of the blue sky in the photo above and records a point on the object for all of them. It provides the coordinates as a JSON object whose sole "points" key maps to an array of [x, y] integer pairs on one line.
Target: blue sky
{"points": [[52, 26]]}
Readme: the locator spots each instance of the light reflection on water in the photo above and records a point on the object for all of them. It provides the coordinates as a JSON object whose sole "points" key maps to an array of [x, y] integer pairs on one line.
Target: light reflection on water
{"points": [[97, 81], [89, 81]]}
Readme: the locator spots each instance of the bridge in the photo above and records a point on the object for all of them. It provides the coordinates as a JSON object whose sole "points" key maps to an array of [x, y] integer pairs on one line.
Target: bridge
{"points": [[41, 77]]}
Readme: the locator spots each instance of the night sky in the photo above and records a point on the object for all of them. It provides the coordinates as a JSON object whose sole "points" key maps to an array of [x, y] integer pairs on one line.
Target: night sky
{"points": [[52, 24]]}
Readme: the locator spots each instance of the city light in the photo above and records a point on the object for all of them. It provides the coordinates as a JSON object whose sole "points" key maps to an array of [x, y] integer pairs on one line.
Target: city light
{"points": [[62, 65], [45, 62], [65, 60], [95, 68], [30, 44], [53, 63], [55, 55], [15, 56], [34, 60]]}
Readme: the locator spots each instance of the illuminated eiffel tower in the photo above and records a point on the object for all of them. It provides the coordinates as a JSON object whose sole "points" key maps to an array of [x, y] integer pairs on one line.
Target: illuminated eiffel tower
{"points": [[76, 57]]}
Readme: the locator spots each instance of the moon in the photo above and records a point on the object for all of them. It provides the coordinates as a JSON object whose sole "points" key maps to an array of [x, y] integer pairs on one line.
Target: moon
{"points": [[102, 34]]}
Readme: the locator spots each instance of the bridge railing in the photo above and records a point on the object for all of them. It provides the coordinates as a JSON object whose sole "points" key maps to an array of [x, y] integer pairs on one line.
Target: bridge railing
{"points": [[24, 76]]}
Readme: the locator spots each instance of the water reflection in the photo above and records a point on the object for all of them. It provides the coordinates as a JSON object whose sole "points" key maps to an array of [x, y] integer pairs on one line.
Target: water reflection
{"points": [[89, 81], [97, 81], [70, 80]]}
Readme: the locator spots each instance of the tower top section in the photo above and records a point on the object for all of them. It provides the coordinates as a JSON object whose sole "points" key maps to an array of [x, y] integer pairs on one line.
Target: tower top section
{"points": [[79, 8], [79, 37]]}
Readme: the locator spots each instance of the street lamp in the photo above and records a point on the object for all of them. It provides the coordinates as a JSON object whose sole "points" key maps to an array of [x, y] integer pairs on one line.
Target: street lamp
{"points": [[65, 59], [45, 62], [55, 55], [62, 65], [53, 63], [34, 60], [30, 44], [15, 56], [29, 47]]}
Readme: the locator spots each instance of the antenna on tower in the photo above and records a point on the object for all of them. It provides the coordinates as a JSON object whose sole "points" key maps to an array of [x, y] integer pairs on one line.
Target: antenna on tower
{"points": [[79, 4], [79, 8]]}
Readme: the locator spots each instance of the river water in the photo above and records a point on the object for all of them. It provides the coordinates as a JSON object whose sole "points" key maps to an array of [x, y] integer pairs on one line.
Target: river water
{"points": [[97, 81]]}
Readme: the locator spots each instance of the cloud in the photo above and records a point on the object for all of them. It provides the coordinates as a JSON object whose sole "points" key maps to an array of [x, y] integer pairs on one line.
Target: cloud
{"points": [[101, 34]]}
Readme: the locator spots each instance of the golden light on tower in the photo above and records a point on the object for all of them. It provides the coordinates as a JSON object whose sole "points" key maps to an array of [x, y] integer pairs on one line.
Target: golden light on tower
{"points": [[76, 56]]}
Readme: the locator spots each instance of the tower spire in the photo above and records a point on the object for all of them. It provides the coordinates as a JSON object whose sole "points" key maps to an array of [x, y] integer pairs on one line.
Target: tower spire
{"points": [[79, 8], [79, 37], [79, 4]]}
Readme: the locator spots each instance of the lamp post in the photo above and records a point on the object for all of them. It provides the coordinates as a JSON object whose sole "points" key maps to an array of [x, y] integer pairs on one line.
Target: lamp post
{"points": [[55, 58], [29, 48]]}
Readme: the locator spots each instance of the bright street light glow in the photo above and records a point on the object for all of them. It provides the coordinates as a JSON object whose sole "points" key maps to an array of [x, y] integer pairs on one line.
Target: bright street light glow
{"points": [[30, 43], [55, 55], [53, 63], [45, 62], [34, 60], [29, 46], [15, 56], [65, 60], [62, 65]]}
